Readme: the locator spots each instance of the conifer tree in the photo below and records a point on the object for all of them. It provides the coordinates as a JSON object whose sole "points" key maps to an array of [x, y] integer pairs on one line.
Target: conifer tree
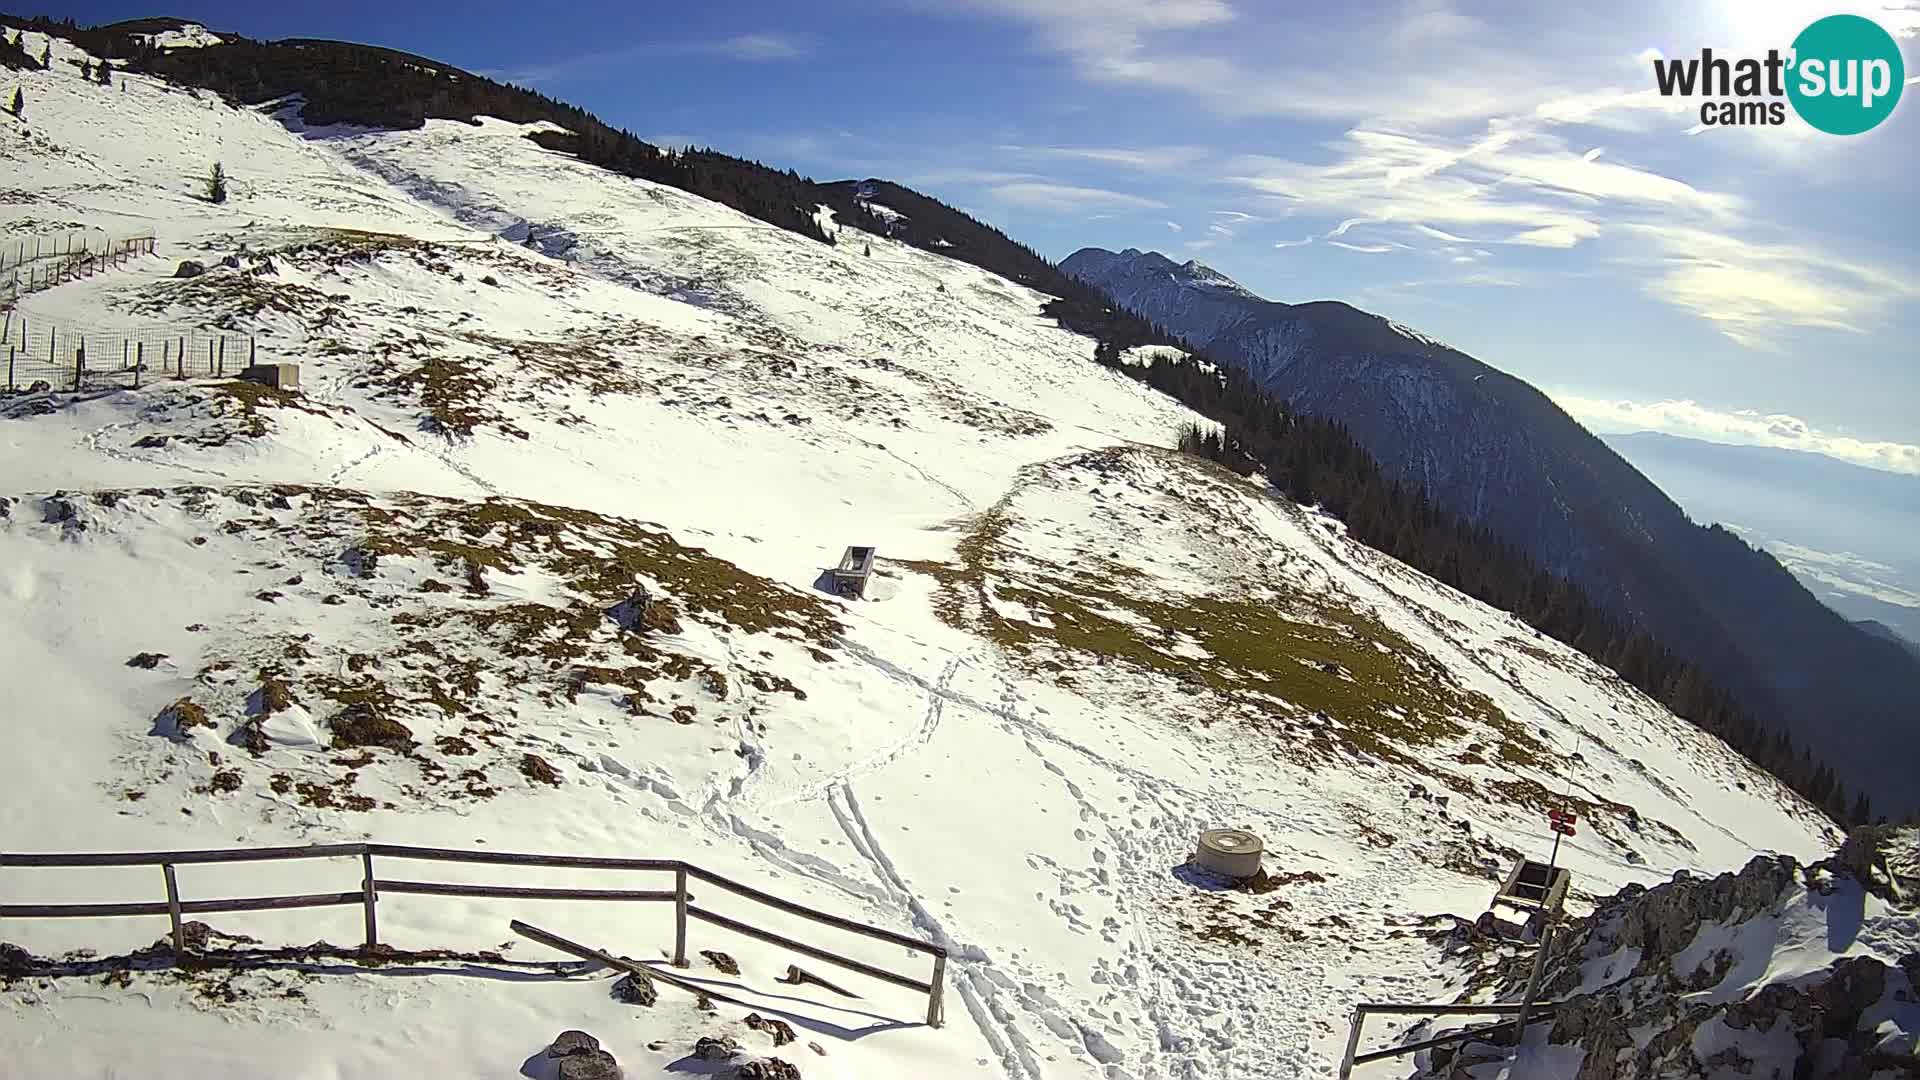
{"points": [[86, 70], [19, 103], [217, 184], [104, 73]]}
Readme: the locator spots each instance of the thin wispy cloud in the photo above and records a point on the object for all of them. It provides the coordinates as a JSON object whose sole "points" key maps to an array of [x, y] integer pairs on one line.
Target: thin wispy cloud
{"points": [[1364, 249], [1150, 158], [1070, 198], [1302, 242], [938, 177], [1752, 427], [1753, 290], [759, 47], [1175, 226]]}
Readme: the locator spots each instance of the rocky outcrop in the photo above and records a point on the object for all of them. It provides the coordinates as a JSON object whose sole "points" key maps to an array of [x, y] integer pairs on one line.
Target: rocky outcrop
{"points": [[1726, 975]]}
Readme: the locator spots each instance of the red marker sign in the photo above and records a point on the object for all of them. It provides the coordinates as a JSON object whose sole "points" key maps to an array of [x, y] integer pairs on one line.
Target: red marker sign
{"points": [[1561, 817], [1564, 828]]}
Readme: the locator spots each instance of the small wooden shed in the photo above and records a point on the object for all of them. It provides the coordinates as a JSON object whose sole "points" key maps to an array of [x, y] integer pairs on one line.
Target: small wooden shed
{"points": [[850, 577], [1534, 886]]}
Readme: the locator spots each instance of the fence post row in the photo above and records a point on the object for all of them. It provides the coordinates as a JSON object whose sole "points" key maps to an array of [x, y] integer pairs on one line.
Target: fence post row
{"points": [[368, 895]]}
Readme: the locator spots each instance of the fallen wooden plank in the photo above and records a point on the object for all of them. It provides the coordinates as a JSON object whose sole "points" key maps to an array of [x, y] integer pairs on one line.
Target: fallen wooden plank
{"points": [[555, 941], [797, 975]]}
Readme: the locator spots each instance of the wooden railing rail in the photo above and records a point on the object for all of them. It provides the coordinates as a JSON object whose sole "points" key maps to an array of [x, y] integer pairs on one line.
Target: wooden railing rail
{"points": [[371, 886]]}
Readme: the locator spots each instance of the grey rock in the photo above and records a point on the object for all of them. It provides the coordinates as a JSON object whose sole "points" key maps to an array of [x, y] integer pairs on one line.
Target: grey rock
{"points": [[636, 990], [189, 269], [591, 1065], [716, 1048], [571, 1042], [767, 1069]]}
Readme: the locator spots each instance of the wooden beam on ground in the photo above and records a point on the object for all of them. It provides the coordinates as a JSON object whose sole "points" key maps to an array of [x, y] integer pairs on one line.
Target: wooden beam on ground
{"points": [[555, 941]]}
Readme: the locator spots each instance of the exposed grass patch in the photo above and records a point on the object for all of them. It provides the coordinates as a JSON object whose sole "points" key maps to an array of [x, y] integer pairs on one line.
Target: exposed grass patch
{"points": [[1317, 658], [1385, 697]]}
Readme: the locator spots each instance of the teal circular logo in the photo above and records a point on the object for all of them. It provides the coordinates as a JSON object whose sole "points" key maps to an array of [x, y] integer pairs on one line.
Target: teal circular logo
{"points": [[1847, 74]]}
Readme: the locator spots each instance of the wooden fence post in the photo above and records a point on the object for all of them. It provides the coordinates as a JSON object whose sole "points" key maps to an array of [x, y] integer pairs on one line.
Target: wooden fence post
{"points": [[368, 899], [1353, 1043], [680, 917], [9, 369], [138, 363], [223, 355], [936, 1007], [79, 364], [173, 911]]}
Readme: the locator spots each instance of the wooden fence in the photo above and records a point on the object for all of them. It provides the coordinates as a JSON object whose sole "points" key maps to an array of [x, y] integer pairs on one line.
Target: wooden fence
{"points": [[29, 267], [1523, 1013], [67, 357], [371, 886]]}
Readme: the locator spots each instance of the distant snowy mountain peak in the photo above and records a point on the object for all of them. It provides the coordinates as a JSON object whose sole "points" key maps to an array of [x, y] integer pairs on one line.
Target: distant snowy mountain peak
{"points": [[533, 561]]}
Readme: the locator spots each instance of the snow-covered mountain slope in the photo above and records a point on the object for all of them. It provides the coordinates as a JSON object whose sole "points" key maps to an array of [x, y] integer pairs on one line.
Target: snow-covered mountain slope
{"points": [[1490, 448], [404, 603]]}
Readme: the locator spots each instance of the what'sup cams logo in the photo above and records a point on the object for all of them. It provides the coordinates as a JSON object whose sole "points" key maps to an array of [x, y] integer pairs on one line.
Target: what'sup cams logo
{"points": [[1843, 76]]}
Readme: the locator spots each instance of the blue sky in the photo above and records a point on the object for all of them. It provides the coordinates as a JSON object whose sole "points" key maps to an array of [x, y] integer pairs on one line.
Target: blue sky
{"points": [[1500, 176]]}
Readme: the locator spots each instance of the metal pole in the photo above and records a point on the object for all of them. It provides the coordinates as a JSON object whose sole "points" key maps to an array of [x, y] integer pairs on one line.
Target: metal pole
{"points": [[1533, 982], [368, 897], [936, 1008], [1353, 1042], [680, 917], [9, 369], [173, 911]]}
